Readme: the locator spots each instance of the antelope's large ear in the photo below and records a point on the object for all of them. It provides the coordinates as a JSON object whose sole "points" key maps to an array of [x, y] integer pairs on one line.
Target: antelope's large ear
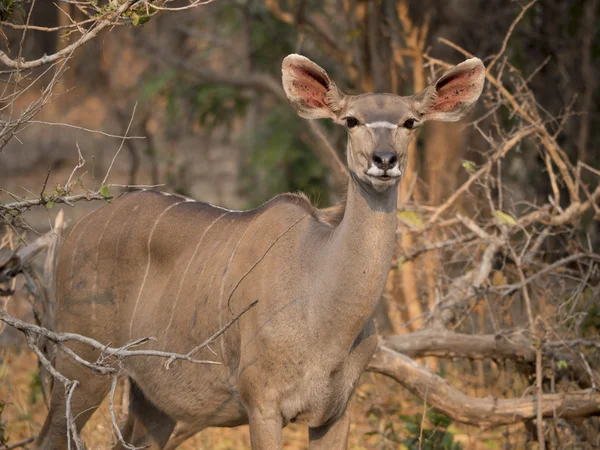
{"points": [[309, 89], [453, 95]]}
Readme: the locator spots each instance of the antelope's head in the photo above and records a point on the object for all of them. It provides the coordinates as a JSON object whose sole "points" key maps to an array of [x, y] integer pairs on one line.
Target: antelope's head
{"points": [[380, 126]]}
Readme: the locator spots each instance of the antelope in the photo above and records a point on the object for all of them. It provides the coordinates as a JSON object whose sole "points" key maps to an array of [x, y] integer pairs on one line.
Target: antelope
{"points": [[154, 264]]}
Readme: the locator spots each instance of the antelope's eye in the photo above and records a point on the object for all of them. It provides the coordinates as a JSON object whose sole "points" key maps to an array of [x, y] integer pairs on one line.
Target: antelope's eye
{"points": [[409, 123], [351, 122]]}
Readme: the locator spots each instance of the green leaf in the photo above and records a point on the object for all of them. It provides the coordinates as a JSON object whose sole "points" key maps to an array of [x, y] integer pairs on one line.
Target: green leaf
{"points": [[400, 263], [505, 218], [49, 204], [135, 19], [469, 166], [411, 218], [491, 444], [104, 192], [562, 364], [353, 34], [35, 387]]}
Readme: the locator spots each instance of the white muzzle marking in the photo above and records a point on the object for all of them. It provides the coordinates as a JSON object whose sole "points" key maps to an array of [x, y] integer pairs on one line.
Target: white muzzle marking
{"points": [[375, 171], [394, 172]]}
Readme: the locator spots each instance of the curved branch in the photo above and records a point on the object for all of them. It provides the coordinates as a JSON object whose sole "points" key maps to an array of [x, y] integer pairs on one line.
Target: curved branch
{"points": [[482, 412]]}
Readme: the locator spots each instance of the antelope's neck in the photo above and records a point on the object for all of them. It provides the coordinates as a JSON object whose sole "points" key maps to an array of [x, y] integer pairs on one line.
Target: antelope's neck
{"points": [[362, 249]]}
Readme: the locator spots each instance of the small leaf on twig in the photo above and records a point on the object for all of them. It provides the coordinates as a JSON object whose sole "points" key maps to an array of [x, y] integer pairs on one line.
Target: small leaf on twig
{"points": [[410, 218], [400, 263], [505, 218], [562, 364], [49, 204], [469, 166], [104, 192]]}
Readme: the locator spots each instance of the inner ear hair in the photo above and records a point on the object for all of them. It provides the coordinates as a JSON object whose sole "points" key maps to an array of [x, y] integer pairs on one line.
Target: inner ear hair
{"points": [[452, 96], [310, 90], [318, 77]]}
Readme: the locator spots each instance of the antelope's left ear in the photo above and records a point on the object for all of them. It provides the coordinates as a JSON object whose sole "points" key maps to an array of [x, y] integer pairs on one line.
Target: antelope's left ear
{"points": [[453, 95]]}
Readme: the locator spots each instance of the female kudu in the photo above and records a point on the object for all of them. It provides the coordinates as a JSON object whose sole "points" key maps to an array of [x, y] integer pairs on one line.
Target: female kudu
{"points": [[152, 264]]}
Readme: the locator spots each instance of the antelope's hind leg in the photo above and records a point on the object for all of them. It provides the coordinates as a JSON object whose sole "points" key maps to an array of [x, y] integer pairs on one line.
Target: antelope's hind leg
{"points": [[333, 436], [147, 426], [180, 435], [87, 396]]}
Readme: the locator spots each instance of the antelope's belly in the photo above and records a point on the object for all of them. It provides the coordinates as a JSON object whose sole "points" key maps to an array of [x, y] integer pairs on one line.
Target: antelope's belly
{"points": [[197, 394]]}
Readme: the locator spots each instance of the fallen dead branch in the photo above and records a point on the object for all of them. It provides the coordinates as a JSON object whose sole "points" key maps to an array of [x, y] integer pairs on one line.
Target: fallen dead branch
{"points": [[480, 412]]}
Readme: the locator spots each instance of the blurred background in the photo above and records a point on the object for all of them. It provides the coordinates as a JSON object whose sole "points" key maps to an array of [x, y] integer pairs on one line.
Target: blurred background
{"points": [[498, 215]]}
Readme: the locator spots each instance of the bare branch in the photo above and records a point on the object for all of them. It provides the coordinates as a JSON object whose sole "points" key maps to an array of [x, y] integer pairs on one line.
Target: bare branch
{"points": [[69, 200], [509, 34], [112, 162], [113, 417], [18, 444], [506, 147], [106, 351], [99, 25], [481, 412], [68, 125]]}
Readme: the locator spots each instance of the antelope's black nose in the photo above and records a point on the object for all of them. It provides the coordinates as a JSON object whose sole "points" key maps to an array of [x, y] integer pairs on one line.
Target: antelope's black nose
{"points": [[385, 160]]}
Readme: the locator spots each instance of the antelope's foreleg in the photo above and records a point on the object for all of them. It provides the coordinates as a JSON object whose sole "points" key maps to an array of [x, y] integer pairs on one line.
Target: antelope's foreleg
{"points": [[265, 429]]}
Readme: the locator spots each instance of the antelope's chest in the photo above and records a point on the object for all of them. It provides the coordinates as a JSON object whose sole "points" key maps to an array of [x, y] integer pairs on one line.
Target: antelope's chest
{"points": [[320, 391]]}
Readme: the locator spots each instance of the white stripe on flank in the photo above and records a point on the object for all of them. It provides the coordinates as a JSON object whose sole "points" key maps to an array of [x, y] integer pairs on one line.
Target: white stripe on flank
{"points": [[81, 220], [72, 232], [148, 264], [390, 125], [186, 271], [233, 253], [97, 262]]}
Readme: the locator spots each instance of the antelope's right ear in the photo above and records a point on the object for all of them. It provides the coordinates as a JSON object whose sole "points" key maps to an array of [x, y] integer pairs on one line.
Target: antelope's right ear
{"points": [[310, 90]]}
